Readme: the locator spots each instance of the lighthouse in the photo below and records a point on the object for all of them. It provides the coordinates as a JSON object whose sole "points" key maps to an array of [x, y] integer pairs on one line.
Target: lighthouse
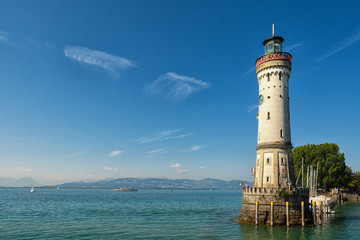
{"points": [[274, 198], [273, 168]]}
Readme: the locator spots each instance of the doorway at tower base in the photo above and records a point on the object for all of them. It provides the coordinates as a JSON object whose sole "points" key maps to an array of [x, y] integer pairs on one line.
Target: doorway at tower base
{"points": [[264, 197]]}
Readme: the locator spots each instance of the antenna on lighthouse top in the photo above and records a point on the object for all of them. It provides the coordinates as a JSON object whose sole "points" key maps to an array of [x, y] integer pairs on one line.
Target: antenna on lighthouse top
{"points": [[273, 28]]}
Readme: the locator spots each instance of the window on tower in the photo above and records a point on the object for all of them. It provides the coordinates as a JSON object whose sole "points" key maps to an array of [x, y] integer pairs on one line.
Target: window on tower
{"points": [[267, 179], [268, 77], [277, 48], [268, 116], [281, 133], [280, 76]]}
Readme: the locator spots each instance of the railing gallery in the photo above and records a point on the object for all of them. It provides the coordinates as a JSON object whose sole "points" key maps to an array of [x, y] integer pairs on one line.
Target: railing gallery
{"points": [[257, 190], [273, 56]]}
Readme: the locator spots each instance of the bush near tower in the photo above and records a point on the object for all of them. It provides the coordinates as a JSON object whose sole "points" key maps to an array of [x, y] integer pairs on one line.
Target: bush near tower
{"points": [[333, 171]]}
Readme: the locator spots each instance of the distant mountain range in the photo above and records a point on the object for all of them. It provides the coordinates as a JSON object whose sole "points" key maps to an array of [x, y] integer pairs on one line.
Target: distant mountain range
{"points": [[159, 183], [21, 182]]}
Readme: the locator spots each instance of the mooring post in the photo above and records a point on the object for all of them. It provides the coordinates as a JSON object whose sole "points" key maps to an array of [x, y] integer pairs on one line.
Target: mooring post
{"points": [[256, 213], [302, 214], [272, 213], [287, 214], [311, 206], [320, 212], [314, 212]]}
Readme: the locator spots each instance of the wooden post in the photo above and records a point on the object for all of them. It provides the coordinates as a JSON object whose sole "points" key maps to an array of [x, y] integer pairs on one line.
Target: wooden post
{"points": [[302, 214], [311, 207], [272, 213], [314, 212], [256, 213], [287, 214], [320, 212]]}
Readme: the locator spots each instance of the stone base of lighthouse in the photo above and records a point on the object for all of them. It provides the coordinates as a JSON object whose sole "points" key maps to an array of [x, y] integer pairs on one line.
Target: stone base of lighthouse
{"points": [[264, 196]]}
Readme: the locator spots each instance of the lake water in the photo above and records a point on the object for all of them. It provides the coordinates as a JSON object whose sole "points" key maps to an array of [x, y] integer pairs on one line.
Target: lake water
{"points": [[149, 214]]}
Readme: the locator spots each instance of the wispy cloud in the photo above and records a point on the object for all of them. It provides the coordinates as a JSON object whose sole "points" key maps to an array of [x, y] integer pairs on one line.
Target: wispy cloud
{"points": [[173, 86], [291, 47], [164, 135], [35, 43], [249, 71], [252, 108], [113, 64], [178, 168], [110, 169], [76, 154], [115, 153], [347, 42], [175, 165], [157, 151], [201, 167], [25, 170], [191, 149], [5, 38]]}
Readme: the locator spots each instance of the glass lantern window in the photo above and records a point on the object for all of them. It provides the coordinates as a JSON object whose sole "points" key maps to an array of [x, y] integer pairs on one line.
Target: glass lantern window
{"points": [[269, 48], [277, 48]]}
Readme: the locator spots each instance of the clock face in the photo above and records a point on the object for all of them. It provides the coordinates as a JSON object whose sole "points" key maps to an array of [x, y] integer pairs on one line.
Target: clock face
{"points": [[261, 99]]}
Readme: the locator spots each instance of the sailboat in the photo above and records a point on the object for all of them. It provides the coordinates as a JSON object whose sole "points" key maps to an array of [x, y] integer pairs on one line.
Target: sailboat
{"points": [[32, 190]]}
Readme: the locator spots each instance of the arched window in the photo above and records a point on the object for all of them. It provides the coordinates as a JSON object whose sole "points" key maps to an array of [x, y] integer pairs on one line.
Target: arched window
{"points": [[280, 76]]}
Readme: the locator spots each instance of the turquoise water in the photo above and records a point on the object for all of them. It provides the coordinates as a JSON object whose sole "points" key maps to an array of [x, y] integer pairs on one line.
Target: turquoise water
{"points": [[149, 214]]}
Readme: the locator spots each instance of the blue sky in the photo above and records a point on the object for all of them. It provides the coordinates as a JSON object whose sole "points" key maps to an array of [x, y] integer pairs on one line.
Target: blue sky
{"points": [[104, 89]]}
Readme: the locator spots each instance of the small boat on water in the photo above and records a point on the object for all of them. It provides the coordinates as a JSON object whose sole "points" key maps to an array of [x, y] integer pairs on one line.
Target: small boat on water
{"points": [[126, 189], [32, 190], [57, 188]]}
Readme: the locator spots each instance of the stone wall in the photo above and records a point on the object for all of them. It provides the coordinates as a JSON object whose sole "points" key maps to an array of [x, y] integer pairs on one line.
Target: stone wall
{"points": [[264, 196]]}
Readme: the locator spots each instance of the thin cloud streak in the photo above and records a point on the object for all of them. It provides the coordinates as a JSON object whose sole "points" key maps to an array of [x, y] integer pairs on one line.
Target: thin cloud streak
{"points": [[156, 152], [252, 108], [291, 47], [164, 135], [113, 64], [115, 153], [249, 71], [342, 45], [191, 149], [25, 170], [5, 38], [172, 86], [75, 154]]}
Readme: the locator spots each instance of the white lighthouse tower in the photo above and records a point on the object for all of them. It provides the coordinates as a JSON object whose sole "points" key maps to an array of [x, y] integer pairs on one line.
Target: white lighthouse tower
{"points": [[274, 195], [273, 158]]}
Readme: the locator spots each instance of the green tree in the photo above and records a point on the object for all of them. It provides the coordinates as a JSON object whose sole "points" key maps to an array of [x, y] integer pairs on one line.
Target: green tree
{"points": [[355, 181], [332, 172]]}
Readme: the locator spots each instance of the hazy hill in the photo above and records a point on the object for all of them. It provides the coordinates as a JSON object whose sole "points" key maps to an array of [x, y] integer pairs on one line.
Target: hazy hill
{"points": [[207, 183], [21, 182]]}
